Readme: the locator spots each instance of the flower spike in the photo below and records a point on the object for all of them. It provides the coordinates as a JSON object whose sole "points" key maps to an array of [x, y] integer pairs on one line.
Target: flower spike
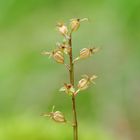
{"points": [[58, 54]]}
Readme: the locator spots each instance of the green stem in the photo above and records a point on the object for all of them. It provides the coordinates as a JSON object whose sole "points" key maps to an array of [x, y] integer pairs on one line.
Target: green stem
{"points": [[71, 73]]}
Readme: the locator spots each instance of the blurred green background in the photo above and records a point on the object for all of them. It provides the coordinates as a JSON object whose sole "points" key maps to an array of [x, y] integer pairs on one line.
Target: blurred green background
{"points": [[29, 82]]}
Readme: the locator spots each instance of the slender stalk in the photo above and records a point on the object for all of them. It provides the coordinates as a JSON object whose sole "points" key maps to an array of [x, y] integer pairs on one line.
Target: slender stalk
{"points": [[71, 74]]}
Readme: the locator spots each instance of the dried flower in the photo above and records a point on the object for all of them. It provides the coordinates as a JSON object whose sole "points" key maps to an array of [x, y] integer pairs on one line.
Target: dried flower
{"points": [[62, 29], [56, 54], [75, 23], [56, 116], [86, 52], [68, 89], [64, 47], [85, 81]]}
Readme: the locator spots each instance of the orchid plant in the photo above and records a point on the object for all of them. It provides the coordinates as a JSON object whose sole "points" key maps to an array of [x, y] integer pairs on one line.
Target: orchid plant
{"points": [[65, 49]]}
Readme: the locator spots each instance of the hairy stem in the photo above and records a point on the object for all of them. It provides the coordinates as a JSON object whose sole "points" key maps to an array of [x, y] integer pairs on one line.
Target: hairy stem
{"points": [[71, 73]]}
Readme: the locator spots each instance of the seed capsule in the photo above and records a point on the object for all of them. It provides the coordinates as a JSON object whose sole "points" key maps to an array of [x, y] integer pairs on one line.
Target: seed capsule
{"points": [[68, 89], [83, 84], [86, 52], [75, 23], [62, 29], [85, 81], [56, 116], [58, 56]]}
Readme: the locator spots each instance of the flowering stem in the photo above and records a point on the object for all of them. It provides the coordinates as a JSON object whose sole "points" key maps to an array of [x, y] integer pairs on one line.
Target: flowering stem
{"points": [[71, 73]]}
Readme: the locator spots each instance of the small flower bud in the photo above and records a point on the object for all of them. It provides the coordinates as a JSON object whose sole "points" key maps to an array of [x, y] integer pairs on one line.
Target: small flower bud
{"points": [[62, 29], [68, 89], [75, 23]]}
